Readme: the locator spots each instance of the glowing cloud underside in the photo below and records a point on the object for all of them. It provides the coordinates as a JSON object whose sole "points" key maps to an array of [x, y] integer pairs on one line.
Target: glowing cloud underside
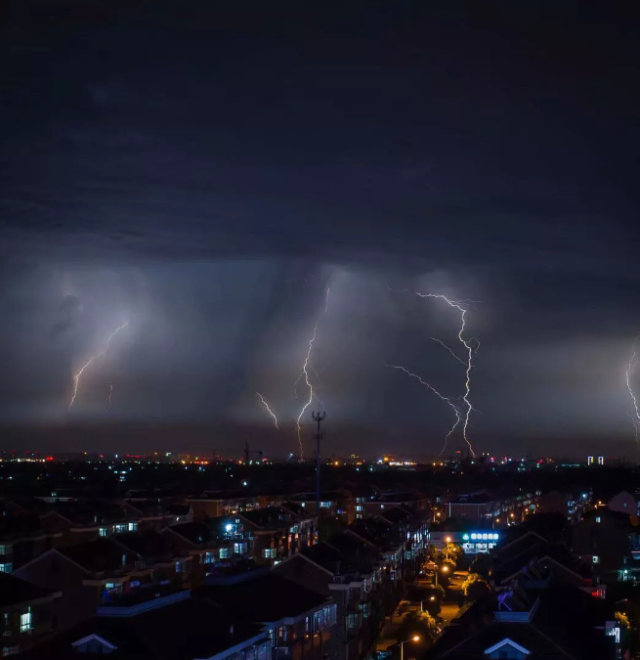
{"points": [[268, 409], [631, 367], [90, 361]]}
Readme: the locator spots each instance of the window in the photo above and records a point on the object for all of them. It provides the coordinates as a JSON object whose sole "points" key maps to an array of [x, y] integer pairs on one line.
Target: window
{"points": [[352, 621], [597, 519], [269, 553], [224, 553], [120, 529], [26, 621], [10, 650], [239, 548], [133, 526], [179, 566], [208, 558], [102, 531], [5, 549], [6, 568], [596, 559]]}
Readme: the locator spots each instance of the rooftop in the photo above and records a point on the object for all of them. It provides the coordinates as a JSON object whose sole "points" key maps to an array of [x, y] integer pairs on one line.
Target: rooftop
{"points": [[14, 591]]}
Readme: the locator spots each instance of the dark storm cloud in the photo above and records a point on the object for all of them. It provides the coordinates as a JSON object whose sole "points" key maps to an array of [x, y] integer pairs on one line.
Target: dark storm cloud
{"points": [[202, 168]]}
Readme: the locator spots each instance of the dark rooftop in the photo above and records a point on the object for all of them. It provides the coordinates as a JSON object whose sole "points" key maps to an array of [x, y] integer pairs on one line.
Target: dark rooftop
{"points": [[263, 599], [96, 556], [14, 591], [181, 631]]}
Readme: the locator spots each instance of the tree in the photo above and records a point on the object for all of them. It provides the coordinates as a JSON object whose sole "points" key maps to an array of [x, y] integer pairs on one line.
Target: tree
{"points": [[417, 623], [482, 565], [475, 587]]}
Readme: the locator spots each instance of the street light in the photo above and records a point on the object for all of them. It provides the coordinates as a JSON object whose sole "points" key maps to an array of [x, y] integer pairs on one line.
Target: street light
{"points": [[415, 638], [431, 598]]}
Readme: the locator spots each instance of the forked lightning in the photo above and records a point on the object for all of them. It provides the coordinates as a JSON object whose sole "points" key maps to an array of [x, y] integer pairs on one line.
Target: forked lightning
{"points": [[93, 358]]}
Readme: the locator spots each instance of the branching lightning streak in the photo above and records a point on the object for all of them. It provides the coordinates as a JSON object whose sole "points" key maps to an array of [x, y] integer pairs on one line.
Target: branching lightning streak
{"points": [[633, 363], [467, 343], [266, 405], [95, 356], [447, 400], [305, 372], [448, 348]]}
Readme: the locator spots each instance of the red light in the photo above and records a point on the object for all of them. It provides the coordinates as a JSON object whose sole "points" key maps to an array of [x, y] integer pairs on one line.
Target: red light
{"points": [[49, 458]]}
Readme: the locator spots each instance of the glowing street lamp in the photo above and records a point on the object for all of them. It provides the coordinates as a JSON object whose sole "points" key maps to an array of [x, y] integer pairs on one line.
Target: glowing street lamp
{"points": [[415, 638]]}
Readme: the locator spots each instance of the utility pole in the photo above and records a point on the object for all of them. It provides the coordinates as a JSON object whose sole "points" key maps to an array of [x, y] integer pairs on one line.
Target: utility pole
{"points": [[318, 418]]}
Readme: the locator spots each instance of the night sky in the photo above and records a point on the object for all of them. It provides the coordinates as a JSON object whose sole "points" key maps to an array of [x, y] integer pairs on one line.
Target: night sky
{"points": [[206, 170]]}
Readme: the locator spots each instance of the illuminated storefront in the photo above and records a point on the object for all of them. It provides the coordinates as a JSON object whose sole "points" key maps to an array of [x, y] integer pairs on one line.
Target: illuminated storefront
{"points": [[475, 542]]}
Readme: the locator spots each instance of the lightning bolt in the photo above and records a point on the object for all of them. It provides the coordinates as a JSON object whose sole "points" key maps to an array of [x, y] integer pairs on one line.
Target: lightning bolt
{"points": [[305, 373], [110, 395], [93, 358], [469, 346], [633, 363], [266, 405], [450, 350], [447, 400]]}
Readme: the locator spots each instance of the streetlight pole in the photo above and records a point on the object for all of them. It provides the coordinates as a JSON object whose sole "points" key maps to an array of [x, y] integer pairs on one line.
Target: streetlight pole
{"points": [[415, 638]]}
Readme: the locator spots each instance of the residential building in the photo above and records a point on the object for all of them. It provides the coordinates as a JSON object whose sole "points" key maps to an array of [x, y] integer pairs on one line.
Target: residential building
{"points": [[302, 623], [26, 615], [174, 627]]}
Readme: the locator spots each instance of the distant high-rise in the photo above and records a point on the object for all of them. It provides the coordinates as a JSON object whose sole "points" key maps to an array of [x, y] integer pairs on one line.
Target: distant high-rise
{"points": [[589, 460], [600, 460]]}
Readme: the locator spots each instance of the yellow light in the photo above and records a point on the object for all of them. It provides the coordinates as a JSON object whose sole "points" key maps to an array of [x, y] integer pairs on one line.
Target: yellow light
{"points": [[511, 515], [432, 598], [445, 569], [448, 539], [416, 638]]}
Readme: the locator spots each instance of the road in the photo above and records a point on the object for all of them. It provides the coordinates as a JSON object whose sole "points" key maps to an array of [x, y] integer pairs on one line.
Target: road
{"points": [[453, 596]]}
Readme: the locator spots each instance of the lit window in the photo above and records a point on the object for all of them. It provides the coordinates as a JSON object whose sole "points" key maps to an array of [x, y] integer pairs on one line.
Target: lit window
{"points": [[352, 621], [5, 549], [133, 526], [179, 566], [269, 553], [102, 531], [124, 560], [208, 557], [224, 553], [6, 568], [26, 621], [596, 559], [597, 519], [10, 650]]}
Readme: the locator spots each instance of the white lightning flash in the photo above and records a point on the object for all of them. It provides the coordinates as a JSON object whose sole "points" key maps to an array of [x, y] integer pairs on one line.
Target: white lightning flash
{"points": [[95, 356], [469, 346], [631, 367], [447, 400], [306, 367], [266, 405], [305, 373]]}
